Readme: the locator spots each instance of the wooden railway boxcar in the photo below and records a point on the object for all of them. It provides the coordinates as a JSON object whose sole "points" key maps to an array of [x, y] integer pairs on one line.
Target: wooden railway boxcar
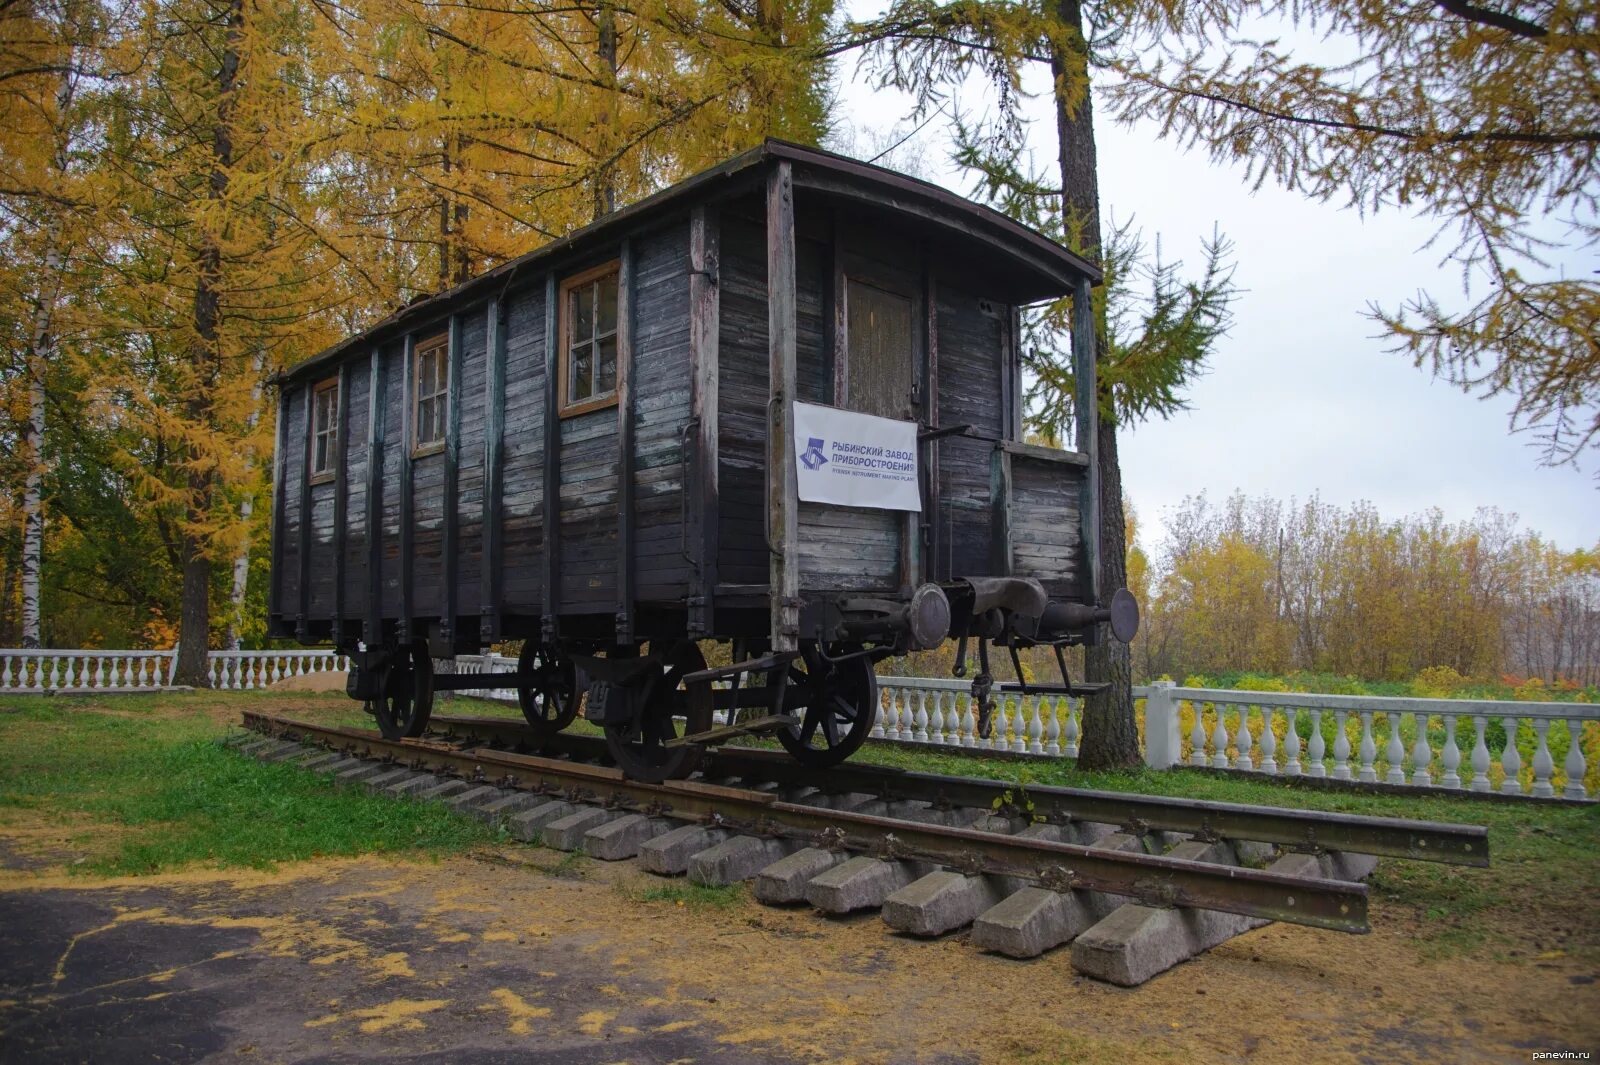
{"points": [[592, 448]]}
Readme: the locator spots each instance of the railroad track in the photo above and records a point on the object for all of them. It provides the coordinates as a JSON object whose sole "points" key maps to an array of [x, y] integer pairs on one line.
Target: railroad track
{"points": [[1136, 883]]}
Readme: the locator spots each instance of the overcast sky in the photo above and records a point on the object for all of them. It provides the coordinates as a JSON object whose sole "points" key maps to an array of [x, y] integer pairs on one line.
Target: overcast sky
{"points": [[1300, 398]]}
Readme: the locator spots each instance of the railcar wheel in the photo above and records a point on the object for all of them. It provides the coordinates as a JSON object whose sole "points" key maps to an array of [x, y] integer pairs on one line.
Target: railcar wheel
{"points": [[638, 748], [837, 702], [550, 702], [407, 700]]}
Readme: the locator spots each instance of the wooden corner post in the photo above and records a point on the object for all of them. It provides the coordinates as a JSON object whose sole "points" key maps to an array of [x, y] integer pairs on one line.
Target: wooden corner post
{"points": [[1087, 432], [782, 492], [704, 322]]}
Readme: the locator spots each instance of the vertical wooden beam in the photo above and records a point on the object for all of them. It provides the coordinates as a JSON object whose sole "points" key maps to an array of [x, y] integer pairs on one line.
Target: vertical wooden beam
{"points": [[625, 515], [1000, 512], [1088, 433], [705, 246], [932, 496], [1014, 373], [838, 320], [377, 403], [782, 498], [303, 608], [450, 563], [551, 471], [408, 372], [279, 575], [494, 377], [341, 488]]}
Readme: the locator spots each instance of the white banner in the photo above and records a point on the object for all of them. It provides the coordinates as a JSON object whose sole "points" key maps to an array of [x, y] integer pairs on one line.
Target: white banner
{"points": [[857, 460]]}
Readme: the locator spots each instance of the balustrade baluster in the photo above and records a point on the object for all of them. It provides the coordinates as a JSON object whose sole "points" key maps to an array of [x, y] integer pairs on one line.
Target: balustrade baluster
{"points": [[1421, 752], [1291, 742], [1575, 766], [1197, 736], [1052, 728], [877, 733], [1219, 739], [1070, 747], [1369, 750], [1511, 759], [1341, 746], [1269, 743], [1480, 755], [72, 671], [105, 674], [1243, 741], [1450, 757], [1394, 752], [920, 734], [1019, 726], [1035, 726], [1316, 748], [942, 725], [1543, 764]]}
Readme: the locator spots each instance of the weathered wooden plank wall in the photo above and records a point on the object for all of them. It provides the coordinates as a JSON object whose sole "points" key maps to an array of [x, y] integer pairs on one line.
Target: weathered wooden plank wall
{"points": [[970, 338]]}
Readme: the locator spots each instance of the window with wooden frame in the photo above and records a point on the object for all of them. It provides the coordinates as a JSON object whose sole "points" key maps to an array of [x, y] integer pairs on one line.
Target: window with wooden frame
{"points": [[324, 429], [590, 357], [431, 384]]}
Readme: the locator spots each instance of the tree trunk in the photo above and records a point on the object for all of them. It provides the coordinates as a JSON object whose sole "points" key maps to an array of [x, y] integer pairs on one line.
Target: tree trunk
{"points": [[1110, 737], [194, 622], [33, 490], [605, 183], [241, 576]]}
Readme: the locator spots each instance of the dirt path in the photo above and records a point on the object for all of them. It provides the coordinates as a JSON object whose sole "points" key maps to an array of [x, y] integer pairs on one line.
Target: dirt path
{"points": [[469, 959]]}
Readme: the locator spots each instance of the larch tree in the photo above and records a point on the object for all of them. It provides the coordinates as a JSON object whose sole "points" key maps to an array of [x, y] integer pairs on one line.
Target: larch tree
{"points": [[925, 47], [212, 280], [1484, 117]]}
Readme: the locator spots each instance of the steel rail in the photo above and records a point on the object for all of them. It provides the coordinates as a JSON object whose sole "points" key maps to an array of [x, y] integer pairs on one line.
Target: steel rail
{"points": [[1387, 837], [1317, 902]]}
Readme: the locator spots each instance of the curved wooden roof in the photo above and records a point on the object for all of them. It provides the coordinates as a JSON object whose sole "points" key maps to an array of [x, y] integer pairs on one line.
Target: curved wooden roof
{"points": [[1041, 268]]}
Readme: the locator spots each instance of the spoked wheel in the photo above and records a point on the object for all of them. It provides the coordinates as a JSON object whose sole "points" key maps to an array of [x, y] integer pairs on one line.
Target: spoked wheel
{"points": [[836, 702], [550, 701], [638, 748], [407, 700]]}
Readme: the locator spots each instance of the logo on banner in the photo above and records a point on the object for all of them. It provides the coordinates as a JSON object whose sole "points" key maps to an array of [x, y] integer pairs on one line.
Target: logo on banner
{"points": [[813, 456]]}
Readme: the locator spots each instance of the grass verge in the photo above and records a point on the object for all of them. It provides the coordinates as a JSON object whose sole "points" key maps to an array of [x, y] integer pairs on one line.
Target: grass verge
{"points": [[135, 785]]}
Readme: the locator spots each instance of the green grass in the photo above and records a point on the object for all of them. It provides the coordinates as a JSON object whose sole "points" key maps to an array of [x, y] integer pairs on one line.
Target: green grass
{"points": [[139, 786], [1539, 894], [685, 893]]}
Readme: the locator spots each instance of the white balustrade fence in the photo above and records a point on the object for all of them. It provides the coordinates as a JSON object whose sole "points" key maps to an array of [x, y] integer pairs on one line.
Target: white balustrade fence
{"points": [[1514, 748], [36, 672], [1476, 744], [936, 710]]}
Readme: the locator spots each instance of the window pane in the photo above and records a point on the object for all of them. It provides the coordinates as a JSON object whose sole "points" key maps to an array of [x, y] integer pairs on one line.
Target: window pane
{"points": [[608, 304], [580, 385], [424, 374], [582, 313], [606, 372], [321, 463]]}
